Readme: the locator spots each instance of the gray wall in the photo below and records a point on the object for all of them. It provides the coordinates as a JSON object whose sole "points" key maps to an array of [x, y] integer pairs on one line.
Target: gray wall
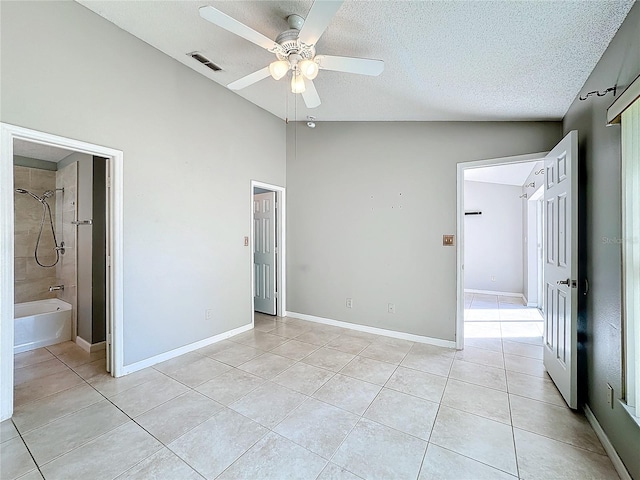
{"points": [[367, 205], [188, 163], [493, 240], [84, 210], [600, 162]]}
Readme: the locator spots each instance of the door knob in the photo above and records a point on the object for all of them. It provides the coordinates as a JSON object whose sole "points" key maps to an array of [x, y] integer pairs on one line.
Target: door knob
{"points": [[564, 282]]}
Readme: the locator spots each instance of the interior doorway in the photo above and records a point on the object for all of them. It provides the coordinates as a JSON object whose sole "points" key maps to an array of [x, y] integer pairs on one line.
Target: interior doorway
{"points": [[267, 242], [495, 273], [106, 163]]}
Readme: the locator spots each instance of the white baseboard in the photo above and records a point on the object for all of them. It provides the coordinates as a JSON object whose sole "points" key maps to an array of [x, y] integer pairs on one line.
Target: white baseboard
{"points": [[377, 331], [532, 304], [492, 292], [606, 443], [96, 347], [90, 347], [148, 362]]}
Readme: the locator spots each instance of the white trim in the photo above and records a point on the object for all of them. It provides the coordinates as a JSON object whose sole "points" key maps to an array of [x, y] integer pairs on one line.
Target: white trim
{"points": [[624, 101], [492, 292], [83, 344], [281, 220], [90, 347], [532, 304], [606, 443], [7, 134], [148, 362], [377, 331], [461, 167]]}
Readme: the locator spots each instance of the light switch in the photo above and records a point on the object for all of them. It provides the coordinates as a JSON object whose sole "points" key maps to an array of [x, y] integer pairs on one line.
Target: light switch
{"points": [[448, 240]]}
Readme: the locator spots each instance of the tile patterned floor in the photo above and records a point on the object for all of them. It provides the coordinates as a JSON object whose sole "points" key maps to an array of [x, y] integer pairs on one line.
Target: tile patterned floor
{"points": [[294, 399]]}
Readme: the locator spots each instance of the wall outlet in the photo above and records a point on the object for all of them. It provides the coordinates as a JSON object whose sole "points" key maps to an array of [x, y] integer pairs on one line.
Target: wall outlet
{"points": [[208, 314], [349, 302], [391, 308], [493, 278], [609, 395]]}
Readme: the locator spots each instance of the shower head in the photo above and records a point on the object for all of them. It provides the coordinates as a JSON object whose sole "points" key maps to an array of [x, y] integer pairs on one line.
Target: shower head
{"points": [[22, 190]]}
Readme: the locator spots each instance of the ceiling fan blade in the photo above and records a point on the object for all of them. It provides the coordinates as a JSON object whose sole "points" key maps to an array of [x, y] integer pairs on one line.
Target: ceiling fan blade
{"points": [[249, 79], [321, 13], [232, 25], [361, 66], [310, 94]]}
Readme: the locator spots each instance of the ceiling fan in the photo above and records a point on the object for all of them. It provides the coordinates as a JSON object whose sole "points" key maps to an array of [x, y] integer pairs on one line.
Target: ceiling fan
{"points": [[295, 50]]}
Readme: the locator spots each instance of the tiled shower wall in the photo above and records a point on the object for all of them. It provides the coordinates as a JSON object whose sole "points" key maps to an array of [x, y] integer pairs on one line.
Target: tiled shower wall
{"points": [[32, 282], [67, 178]]}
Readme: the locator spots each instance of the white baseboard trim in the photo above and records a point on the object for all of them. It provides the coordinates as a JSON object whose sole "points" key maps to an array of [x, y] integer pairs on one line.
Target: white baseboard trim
{"points": [[492, 292], [532, 304], [90, 347], [606, 443], [375, 330], [148, 362], [96, 347], [83, 344]]}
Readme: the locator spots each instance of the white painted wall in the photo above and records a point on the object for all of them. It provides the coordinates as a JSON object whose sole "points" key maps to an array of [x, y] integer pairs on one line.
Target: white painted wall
{"points": [[530, 234], [493, 240], [367, 206], [191, 148]]}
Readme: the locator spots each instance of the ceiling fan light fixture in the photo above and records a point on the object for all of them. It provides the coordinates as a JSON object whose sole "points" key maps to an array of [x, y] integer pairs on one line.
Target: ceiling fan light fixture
{"points": [[297, 83], [278, 69], [309, 68]]}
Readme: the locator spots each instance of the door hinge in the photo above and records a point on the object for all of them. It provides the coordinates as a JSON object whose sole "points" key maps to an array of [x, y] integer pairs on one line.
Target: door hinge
{"points": [[109, 261], [108, 339]]}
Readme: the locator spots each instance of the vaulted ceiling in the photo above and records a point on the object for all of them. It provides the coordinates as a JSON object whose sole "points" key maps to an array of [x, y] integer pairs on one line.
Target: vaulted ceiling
{"points": [[444, 60]]}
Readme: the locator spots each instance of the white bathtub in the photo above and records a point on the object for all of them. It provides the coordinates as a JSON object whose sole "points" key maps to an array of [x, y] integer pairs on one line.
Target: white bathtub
{"points": [[41, 323]]}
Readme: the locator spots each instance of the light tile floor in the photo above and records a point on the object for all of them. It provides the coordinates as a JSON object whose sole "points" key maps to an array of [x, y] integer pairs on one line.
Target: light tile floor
{"points": [[294, 399]]}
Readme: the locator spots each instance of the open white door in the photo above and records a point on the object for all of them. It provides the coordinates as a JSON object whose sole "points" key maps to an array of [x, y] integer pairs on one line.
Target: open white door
{"points": [[561, 266], [264, 252]]}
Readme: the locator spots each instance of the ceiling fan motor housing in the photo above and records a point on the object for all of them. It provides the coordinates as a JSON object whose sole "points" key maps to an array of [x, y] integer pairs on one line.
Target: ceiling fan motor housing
{"points": [[288, 44]]}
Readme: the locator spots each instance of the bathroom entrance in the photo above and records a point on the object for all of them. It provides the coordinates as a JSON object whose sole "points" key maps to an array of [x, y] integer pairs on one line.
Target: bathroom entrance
{"points": [[57, 272], [60, 247]]}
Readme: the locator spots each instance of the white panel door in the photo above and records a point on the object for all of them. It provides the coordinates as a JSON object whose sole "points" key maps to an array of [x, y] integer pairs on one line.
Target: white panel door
{"points": [[561, 266], [264, 252]]}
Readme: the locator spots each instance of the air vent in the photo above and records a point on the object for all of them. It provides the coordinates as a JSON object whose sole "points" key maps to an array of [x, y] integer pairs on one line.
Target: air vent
{"points": [[205, 61]]}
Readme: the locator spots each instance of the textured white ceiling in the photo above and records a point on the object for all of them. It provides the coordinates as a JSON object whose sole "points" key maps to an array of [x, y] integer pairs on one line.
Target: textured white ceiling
{"points": [[511, 174], [39, 152], [444, 60]]}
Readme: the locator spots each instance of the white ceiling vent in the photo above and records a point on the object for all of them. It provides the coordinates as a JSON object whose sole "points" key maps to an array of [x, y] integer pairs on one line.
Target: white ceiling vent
{"points": [[205, 61]]}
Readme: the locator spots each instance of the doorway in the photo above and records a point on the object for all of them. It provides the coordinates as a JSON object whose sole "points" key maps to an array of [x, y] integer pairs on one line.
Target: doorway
{"points": [[110, 275], [268, 253], [498, 289]]}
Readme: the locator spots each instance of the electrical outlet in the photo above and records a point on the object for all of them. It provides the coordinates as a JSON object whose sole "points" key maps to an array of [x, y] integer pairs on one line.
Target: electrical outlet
{"points": [[493, 278], [349, 302], [208, 314], [391, 308], [609, 395]]}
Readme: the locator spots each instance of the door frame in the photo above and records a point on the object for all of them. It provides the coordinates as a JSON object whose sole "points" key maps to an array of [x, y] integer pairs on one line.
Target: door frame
{"points": [[461, 167], [281, 236], [8, 133]]}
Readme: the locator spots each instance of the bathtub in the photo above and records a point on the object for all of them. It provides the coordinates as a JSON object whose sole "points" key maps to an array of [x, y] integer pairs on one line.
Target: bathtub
{"points": [[41, 323]]}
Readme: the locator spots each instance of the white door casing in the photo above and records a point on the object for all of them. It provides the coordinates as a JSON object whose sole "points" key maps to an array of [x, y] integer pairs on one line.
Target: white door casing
{"points": [[561, 266], [264, 252]]}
